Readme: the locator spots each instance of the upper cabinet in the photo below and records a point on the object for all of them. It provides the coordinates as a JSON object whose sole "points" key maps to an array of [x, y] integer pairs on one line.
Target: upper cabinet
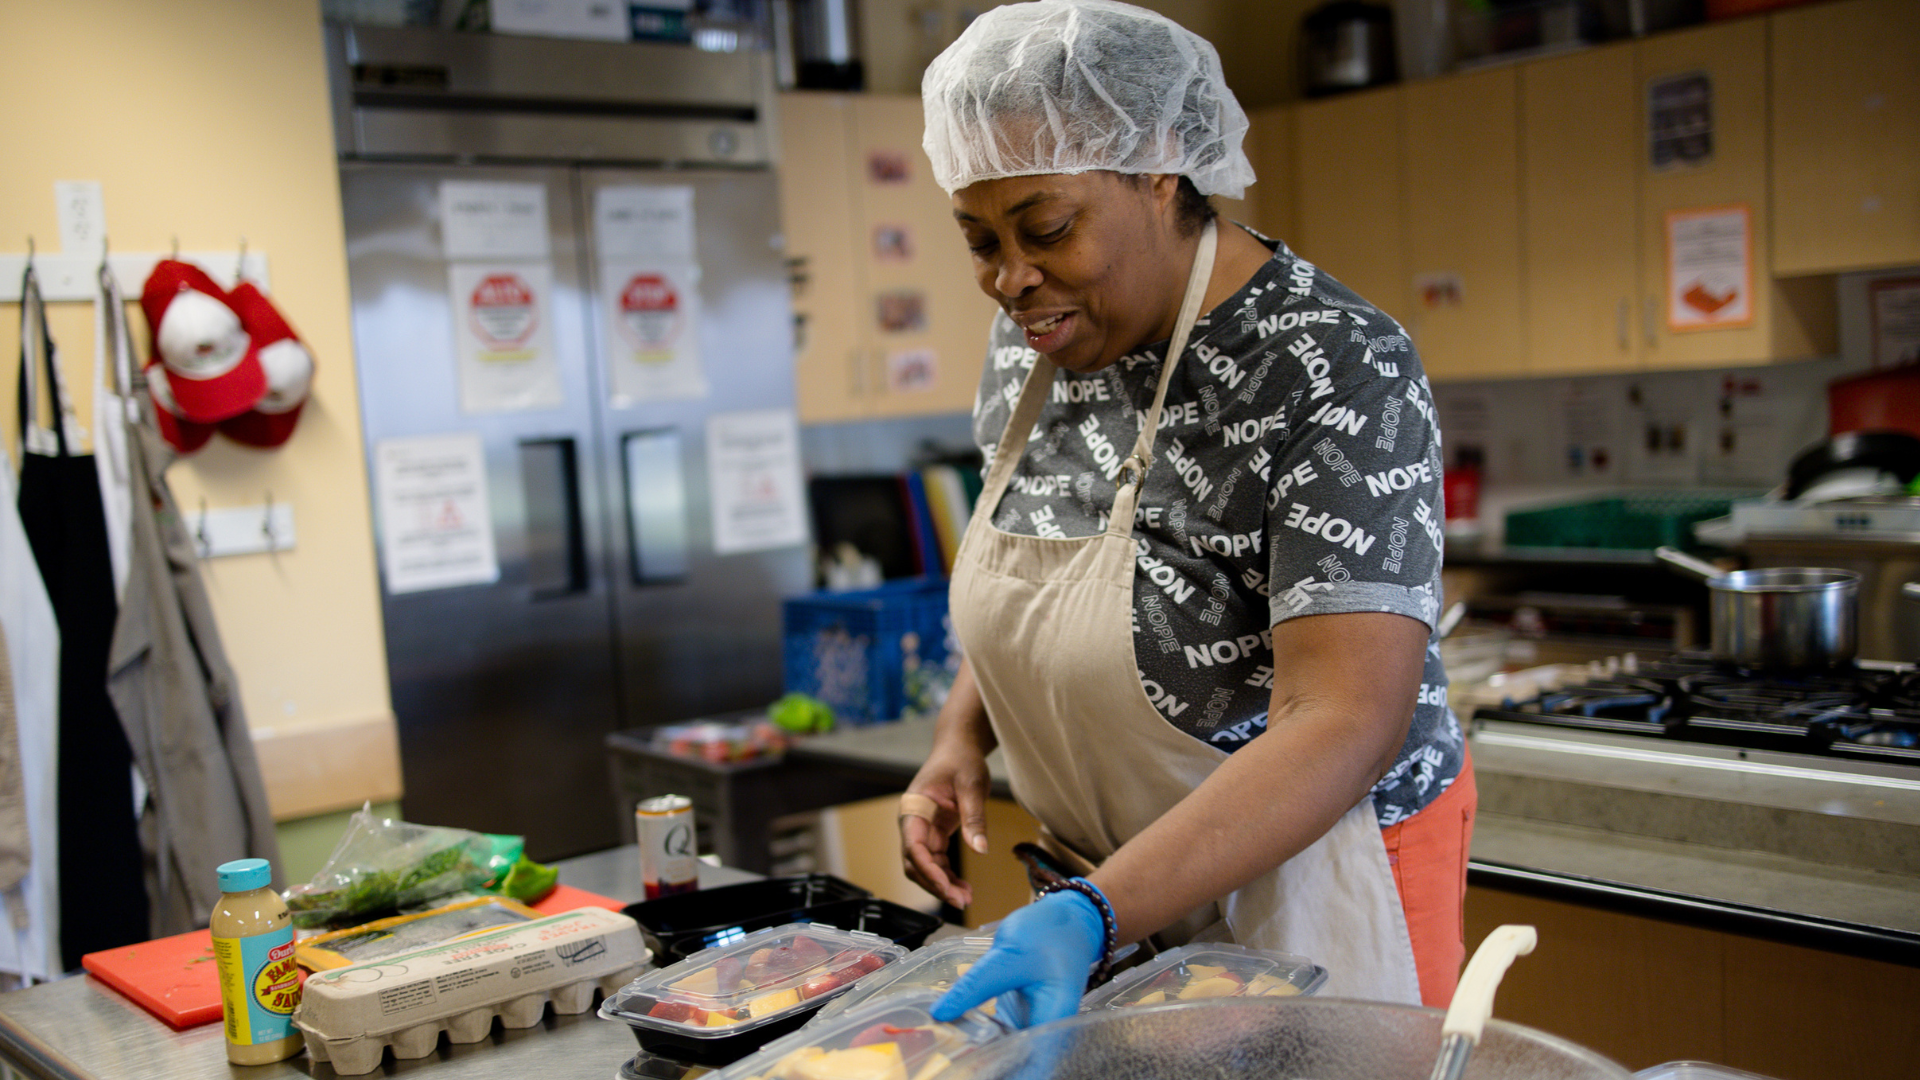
{"points": [[1462, 146], [889, 319], [1580, 124], [1703, 179], [1846, 136], [1348, 184]]}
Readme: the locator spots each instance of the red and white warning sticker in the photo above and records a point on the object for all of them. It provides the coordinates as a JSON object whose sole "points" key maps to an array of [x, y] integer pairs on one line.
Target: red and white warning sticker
{"points": [[503, 311], [651, 314]]}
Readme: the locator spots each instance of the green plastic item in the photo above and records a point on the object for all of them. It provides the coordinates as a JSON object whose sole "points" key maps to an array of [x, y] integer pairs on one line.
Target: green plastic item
{"points": [[527, 881], [1627, 521], [507, 850], [801, 714]]}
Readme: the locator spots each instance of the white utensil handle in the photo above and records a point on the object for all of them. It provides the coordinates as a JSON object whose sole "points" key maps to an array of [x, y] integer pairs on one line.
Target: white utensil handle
{"points": [[1473, 999]]}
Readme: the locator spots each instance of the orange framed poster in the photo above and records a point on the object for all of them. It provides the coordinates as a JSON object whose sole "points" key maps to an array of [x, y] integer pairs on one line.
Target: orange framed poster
{"points": [[1710, 268]]}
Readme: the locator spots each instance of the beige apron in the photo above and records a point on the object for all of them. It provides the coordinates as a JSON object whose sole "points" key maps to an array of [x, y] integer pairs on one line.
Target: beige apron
{"points": [[1047, 627]]}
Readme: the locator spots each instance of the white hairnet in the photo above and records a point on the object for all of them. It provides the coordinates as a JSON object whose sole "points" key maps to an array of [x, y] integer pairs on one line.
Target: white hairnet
{"points": [[1070, 86]]}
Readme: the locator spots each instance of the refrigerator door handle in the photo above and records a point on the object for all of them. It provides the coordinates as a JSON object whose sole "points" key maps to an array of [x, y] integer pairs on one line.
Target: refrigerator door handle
{"points": [[656, 497], [556, 534]]}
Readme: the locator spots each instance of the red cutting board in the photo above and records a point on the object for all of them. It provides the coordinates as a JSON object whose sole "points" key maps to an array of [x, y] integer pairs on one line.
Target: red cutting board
{"points": [[175, 978]]}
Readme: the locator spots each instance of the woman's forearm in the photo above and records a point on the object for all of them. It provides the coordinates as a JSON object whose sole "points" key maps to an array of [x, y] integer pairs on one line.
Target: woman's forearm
{"points": [[963, 719], [1343, 699]]}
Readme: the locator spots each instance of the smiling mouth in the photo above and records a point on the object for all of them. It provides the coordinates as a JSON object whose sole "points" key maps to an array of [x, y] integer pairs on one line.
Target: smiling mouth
{"points": [[1044, 325]]}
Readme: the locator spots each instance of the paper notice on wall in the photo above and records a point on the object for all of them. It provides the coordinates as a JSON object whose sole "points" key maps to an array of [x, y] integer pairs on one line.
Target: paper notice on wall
{"points": [[483, 219], [436, 528], [644, 221], [653, 341], [503, 334], [753, 478], [1709, 268], [1894, 309]]}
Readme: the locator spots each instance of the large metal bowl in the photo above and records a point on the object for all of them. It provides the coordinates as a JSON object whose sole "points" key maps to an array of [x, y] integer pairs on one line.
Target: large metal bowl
{"points": [[1271, 1039]]}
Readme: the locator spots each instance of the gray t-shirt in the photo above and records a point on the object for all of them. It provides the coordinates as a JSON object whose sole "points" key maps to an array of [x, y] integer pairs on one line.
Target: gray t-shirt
{"points": [[1296, 472]]}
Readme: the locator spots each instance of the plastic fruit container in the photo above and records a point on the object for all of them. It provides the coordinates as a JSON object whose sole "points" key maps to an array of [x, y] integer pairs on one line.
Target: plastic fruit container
{"points": [[894, 1038], [1195, 972], [725, 1002], [933, 968]]}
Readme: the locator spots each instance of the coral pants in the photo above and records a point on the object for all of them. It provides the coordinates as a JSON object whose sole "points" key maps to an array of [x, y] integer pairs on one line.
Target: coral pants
{"points": [[1428, 853]]}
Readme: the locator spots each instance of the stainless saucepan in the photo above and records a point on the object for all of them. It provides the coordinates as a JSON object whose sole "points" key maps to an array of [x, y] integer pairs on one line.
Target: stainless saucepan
{"points": [[1796, 618]]}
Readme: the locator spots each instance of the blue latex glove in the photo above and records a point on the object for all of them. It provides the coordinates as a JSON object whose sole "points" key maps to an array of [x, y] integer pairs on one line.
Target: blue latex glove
{"points": [[1037, 966]]}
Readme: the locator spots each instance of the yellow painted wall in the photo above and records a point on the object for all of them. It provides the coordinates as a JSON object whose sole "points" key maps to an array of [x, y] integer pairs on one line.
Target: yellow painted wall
{"points": [[207, 120]]}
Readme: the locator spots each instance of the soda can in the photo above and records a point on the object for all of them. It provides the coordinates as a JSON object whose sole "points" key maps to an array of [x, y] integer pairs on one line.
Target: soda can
{"points": [[667, 850]]}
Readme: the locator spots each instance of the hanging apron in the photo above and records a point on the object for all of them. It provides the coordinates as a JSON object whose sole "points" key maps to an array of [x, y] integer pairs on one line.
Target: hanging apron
{"points": [[1047, 625], [103, 901], [113, 409], [30, 939]]}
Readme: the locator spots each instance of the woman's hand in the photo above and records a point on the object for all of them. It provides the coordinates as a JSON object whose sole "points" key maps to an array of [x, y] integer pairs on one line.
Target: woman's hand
{"points": [[953, 787], [1038, 964]]}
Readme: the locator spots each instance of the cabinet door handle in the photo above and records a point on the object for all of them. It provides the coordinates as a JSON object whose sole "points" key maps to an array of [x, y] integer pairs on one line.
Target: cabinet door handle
{"points": [[1652, 324], [1623, 318]]}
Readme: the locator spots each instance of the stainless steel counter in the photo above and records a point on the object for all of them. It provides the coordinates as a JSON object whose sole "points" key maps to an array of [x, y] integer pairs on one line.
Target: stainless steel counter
{"points": [[81, 1029]]}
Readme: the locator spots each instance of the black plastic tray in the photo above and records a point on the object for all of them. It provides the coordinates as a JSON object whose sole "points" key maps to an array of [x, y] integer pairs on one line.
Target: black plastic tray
{"points": [[884, 918], [714, 916], [725, 1049]]}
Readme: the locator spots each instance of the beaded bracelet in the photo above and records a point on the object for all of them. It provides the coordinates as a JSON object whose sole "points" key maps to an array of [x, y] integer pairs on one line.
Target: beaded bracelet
{"points": [[1109, 924]]}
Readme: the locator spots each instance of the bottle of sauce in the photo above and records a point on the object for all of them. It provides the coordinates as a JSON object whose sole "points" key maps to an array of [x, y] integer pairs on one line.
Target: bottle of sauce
{"points": [[259, 981]]}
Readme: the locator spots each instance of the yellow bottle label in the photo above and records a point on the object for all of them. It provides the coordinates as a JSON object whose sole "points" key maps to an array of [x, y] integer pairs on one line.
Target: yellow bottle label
{"points": [[259, 986]]}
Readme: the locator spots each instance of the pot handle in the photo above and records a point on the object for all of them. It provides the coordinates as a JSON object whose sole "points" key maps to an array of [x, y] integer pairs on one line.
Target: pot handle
{"points": [[1473, 998], [1911, 590], [1686, 563]]}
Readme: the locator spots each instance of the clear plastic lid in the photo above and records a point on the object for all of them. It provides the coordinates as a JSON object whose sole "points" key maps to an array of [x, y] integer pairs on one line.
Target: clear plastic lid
{"points": [[890, 1039], [767, 975], [1694, 1070], [934, 967], [1193, 972]]}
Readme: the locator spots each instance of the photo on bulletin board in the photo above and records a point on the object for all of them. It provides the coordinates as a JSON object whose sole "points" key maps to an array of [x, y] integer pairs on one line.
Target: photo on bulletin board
{"points": [[902, 311], [887, 167], [912, 370], [892, 244]]}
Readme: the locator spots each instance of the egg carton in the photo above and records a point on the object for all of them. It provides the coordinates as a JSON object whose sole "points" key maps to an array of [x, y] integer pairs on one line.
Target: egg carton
{"points": [[350, 1016]]}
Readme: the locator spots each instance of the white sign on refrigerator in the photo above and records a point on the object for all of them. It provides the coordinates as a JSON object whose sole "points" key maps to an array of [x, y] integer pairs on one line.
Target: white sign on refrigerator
{"points": [[501, 316], [436, 528], [753, 475], [653, 314], [482, 219], [650, 292], [648, 221]]}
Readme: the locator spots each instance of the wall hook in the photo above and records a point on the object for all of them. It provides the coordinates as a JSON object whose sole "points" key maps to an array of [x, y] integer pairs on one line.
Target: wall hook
{"points": [[29, 249], [103, 251], [240, 264], [176, 250], [266, 524], [200, 531]]}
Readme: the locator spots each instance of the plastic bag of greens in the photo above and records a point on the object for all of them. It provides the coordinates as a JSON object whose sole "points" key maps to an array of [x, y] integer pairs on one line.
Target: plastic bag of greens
{"points": [[381, 866]]}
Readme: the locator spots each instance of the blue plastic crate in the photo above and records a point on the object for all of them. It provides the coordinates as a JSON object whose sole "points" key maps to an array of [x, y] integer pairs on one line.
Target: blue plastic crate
{"points": [[870, 654]]}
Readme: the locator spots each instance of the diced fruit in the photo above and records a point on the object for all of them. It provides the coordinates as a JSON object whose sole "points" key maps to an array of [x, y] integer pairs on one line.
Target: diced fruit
{"points": [[1198, 972], [1217, 986], [1154, 998], [705, 982], [807, 952], [678, 1012], [819, 984], [727, 973], [935, 1064], [768, 1004], [720, 1019], [881, 1061], [1268, 986], [871, 962], [910, 1040]]}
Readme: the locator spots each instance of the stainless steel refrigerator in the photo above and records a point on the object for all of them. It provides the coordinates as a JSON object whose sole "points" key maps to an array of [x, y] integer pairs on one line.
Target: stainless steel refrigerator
{"points": [[610, 608]]}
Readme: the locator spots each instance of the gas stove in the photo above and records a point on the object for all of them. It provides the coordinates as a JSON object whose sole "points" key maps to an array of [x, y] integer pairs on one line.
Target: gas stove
{"points": [[1865, 713]]}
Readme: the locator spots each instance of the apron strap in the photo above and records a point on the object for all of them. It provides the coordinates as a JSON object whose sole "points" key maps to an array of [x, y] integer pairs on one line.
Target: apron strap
{"points": [[36, 348], [1033, 397], [113, 346]]}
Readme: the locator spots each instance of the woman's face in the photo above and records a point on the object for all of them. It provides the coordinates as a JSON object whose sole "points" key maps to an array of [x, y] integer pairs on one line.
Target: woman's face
{"points": [[1086, 264]]}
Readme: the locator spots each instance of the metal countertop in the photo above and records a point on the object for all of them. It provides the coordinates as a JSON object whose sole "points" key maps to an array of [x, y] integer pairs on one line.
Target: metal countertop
{"points": [[82, 1029]]}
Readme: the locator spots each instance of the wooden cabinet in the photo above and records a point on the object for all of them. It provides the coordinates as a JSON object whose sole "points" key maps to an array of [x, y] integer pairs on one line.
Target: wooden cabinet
{"points": [[1268, 206], [1790, 319], [1462, 146], [1580, 126], [1846, 136], [890, 320], [1348, 186]]}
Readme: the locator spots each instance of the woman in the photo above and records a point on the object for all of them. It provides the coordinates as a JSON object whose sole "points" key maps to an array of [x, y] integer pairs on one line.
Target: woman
{"points": [[1197, 596]]}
